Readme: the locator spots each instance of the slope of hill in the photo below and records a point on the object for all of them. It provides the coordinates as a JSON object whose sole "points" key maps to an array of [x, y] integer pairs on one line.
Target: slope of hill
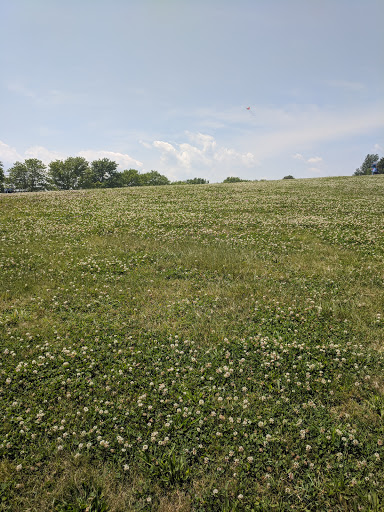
{"points": [[210, 348]]}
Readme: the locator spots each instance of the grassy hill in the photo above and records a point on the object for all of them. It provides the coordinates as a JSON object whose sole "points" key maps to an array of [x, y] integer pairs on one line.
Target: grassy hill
{"points": [[193, 348]]}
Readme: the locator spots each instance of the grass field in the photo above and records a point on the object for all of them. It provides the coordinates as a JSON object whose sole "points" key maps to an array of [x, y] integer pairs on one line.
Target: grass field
{"points": [[193, 348]]}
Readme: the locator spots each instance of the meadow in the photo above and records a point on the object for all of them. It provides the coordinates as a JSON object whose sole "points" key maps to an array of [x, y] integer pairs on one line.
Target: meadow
{"points": [[193, 348]]}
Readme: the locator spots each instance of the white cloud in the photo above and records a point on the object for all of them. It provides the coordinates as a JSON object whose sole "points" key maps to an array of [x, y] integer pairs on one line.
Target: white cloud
{"points": [[163, 146], [11, 155], [276, 130], [314, 160], [379, 148], [123, 160], [207, 142], [310, 130], [43, 154], [311, 160], [145, 144], [202, 154], [8, 154]]}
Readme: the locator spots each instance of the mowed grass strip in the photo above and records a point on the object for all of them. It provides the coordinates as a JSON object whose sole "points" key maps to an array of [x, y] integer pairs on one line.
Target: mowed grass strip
{"points": [[193, 348]]}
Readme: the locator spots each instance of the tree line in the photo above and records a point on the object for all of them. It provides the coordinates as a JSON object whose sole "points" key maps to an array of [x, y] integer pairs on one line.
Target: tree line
{"points": [[370, 161], [76, 173]]}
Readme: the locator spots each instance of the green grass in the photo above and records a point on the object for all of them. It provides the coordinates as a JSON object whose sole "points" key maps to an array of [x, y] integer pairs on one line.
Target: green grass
{"points": [[211, 348]]}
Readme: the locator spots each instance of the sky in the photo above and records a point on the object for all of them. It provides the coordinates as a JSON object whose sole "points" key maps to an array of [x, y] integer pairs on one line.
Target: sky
{"points": [[257, 89]]}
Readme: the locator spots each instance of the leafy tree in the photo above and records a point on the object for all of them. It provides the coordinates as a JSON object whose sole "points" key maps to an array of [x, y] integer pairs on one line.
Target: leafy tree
{"points": [[101, 173], [2, 177], [29, 176], [197, 181], [233, 179], [130, 178], [104, 172], [87, 179], [153, 178], [66, 174], [366, 166], [380, 166], [289, 177]]}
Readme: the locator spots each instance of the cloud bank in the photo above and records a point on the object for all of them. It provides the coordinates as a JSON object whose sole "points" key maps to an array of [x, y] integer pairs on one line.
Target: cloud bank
{"points": [[201, 154], [10, 155]]}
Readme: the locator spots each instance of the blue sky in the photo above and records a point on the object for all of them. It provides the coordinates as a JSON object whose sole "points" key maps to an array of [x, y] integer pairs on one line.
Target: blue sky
{"points": [[165, 85]]}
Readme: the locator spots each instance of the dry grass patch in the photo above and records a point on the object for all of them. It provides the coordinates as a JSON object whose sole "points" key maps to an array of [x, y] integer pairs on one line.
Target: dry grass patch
{"points": [[175, 502]]}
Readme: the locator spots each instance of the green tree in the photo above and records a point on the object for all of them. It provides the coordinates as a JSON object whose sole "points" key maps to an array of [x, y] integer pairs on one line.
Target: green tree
{"points": [[130, 178], [101, 173], [87, 180], [232, 179], [197, 181], [2, 177], [380, 166], [289, 177], [29, 176], [366, 166], [66, 174], [153, 178], [104, 172]]}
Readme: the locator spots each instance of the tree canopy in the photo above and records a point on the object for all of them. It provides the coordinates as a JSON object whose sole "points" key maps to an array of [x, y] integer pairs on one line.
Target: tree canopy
{"points": [[233, 179], [2, 177], [29, 176], [66, 174], [75, 173], [153, 178], [380, 166], [366, 166]]}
